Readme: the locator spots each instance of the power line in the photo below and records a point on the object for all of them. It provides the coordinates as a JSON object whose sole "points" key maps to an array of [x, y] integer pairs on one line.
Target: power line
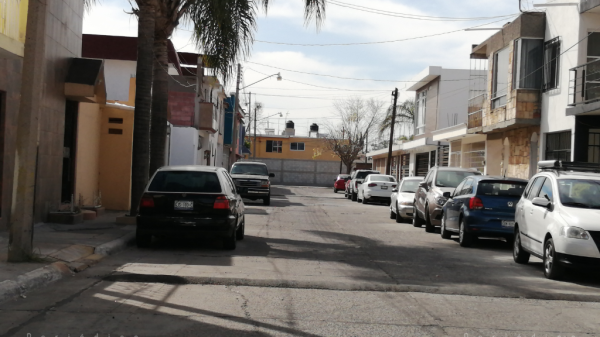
{"points": [[350, 78], [411, 16], [378, 42]]}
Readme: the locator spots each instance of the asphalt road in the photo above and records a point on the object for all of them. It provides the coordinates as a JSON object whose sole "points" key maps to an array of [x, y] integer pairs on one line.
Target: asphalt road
{"points": [[313, 264]]}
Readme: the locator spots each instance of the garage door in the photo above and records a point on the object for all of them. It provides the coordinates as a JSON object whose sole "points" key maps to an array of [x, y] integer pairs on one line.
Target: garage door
{"points": [[422, 164]]}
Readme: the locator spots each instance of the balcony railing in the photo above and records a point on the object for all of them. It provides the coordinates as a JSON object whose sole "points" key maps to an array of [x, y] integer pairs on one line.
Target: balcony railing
{"points": [[207, 117], [584, 83], [475, 111]]}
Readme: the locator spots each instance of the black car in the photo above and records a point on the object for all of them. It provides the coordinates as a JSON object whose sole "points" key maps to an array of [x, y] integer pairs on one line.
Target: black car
{"points": [[252, 180], [191, 202]]}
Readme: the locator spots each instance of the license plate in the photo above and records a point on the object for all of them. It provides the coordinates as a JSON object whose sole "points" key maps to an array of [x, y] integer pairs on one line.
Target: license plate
{"points": [[510, 224], [184, 205], [384, 187]]}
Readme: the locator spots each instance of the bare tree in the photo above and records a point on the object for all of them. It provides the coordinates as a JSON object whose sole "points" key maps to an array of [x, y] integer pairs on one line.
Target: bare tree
{"points": [[358, 118]]}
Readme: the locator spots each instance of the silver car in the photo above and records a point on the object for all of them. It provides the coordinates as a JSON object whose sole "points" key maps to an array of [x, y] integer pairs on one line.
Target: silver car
{"points": [[401, 206]]}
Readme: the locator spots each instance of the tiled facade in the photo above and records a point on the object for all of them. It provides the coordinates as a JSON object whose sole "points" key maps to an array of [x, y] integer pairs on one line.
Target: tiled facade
{"points": [[181, 108]]}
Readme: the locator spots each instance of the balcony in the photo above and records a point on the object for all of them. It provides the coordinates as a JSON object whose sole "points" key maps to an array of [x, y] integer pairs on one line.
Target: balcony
{"points": [[584, 89], [592, 6], [475, 119], [206, 118]]}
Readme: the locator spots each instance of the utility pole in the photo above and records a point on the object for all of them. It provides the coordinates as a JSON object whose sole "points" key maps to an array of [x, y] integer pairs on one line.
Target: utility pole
{"points": [[389, 157], [366, 147], [20, 220], [254, 145], [235, 111], [249, 115], [341, 161]]}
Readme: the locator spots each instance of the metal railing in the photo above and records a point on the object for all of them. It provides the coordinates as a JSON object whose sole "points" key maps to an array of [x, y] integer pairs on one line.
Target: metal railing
{"points": [[584, 83], [475, 117]]}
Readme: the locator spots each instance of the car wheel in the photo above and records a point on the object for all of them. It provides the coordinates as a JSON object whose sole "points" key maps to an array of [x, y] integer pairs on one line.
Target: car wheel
{"points": [[464, 239], [393, 214], [267, 200], [417, 222], [241, 231], [230, 243], [364, 200], [334, 190], [429, 228], [354, 196], [519, 254], [143, 241], [398, 217], [552, 269], [443, 232]]}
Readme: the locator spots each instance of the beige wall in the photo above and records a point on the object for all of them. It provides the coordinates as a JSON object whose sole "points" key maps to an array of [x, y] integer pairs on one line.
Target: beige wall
{"points": [[88, 154], [115, 158]]}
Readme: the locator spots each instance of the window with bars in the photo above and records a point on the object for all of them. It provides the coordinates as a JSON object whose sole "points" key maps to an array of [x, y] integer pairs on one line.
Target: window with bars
{"points": [[455, 153], [404, 166], [474, 156], [551, 64], [558, 146], [274, 146]]}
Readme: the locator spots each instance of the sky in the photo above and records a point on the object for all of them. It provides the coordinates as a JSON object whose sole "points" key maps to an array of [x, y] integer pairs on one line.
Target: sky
{"points": [[378, 67]]}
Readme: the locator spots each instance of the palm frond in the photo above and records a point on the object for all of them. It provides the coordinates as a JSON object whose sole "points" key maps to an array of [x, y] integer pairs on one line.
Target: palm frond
{"points": [[405, 114]]}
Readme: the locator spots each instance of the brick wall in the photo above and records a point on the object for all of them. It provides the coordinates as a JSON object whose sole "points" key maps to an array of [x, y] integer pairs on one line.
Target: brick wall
{"points": [[181, 108], [519, 151]]}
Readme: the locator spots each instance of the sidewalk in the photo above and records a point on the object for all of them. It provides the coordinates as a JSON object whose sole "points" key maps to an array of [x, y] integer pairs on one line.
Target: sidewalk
{"points": [[60, 250]]}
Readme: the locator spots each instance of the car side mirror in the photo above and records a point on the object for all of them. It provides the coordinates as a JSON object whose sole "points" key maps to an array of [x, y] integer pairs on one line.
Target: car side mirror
{"points": [[541, 202], [395, 190], [271, 175], [447, 195]]}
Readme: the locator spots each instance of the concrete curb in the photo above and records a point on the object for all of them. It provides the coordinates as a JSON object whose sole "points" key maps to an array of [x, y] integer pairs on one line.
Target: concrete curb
{"points": [[115, 246], [32, 280], [43, 276]]}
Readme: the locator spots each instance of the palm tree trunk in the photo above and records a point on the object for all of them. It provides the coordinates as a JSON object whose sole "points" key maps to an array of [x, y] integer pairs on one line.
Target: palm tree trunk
{"points": [[143, 97], [160, 101]]}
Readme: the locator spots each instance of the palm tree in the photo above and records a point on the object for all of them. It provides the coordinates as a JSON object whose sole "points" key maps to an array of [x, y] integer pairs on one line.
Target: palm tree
{"points": [[223, 29], [405, 115]]}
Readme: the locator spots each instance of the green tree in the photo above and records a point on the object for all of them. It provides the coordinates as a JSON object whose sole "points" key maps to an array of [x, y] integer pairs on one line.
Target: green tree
{"points": [[405, 115]]}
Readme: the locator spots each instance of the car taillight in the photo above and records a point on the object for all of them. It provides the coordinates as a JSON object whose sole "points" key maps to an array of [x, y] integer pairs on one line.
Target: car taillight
{"points": [[221, 203], [372, 185], [394, 186], [475, 203], [147, 202], [356, 184]]}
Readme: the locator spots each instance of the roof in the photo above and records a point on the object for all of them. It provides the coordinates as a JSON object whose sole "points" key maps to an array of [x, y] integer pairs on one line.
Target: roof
{"points": [[501, 178], [199, 168], [460, 169], [249, 162], [573, 174], [413, 178]]}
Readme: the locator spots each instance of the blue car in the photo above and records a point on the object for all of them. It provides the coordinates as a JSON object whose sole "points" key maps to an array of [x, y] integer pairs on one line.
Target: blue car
{"points": [[482, 206]]}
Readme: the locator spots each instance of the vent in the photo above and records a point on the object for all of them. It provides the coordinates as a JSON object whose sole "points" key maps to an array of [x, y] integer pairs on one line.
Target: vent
{"points": [[115, 120], [115, 131]]}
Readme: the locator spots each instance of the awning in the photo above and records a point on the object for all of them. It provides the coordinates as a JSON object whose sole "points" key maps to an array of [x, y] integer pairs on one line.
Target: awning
{"points": [[455, 132], [85, 81], [422, 145]]}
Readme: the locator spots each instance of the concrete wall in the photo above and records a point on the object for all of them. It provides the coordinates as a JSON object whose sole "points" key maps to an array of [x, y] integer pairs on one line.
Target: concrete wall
{"points": [[303, 172], [184, 146], [88, 153]]}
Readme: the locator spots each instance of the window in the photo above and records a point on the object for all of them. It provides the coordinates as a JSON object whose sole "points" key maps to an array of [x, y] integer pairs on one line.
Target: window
{"points": [[452, 178], [421, 107], [115, 120], [467, 188], [250, 169], [458, 189], [594, 146], [185, 182], [558, 146], [382, 178], [274, 146], [410, 186], [551, 64], [297, 146], [535, 188], [528, 64], [500, 82], [592, 69], [474, 156], [579, 193], [429, 178], [507, 189], [115, 131], [546, 190]]}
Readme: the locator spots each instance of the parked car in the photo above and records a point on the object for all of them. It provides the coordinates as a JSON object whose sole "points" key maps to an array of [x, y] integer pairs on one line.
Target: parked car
{"points": [[340, 182], [191, 202], [402, 198], [557, 218], [252, 180], [429, 198], [377, 187], [482, 206], [347, 192], [357, 179]]}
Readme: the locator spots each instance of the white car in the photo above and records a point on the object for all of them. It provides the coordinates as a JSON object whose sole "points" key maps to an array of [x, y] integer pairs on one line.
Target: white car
{"points": [[377, 187], [402, 199], [557, 218], [356, 179]]}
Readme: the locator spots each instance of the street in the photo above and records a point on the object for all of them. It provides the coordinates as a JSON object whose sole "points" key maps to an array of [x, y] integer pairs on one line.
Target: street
{"points": [[312, 264]]}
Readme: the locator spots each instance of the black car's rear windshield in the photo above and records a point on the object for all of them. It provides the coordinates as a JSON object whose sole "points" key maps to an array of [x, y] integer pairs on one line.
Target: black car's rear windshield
{"points": [[508, 189], [250, 169], [452, 178], [363, 175], [185, 181]]}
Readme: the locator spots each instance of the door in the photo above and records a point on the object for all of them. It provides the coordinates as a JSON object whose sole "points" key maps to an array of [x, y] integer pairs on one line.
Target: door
{"points": [[462, 201], [451, 213], [404, 166], [69, 151], [526, 212], [421, 164], [541, 217]]}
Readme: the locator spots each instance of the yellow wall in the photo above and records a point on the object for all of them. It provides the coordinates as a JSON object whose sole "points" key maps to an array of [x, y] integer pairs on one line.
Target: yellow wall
{"points": [[13, 25], [314, 149], [115, 159], [88, 153]]}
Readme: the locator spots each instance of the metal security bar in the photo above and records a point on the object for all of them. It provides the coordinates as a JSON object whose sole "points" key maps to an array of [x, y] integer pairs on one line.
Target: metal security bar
{"points": [[584, 83], [476, 110]]}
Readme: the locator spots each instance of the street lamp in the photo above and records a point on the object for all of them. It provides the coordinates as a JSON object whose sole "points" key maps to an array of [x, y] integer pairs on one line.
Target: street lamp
{"points": [[279, 78]]}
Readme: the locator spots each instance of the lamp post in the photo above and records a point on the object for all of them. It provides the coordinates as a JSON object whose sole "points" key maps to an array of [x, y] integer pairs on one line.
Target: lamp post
{"points": [[279, 78]]}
